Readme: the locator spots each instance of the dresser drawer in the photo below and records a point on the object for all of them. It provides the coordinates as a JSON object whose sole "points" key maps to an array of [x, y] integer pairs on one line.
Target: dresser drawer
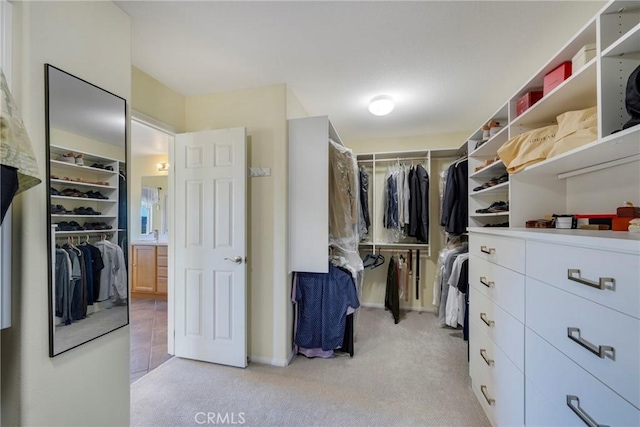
{"points": [[503, 251], [502, 396], [161, 261], [162, 250], [552, 264], [505, 330], [540, 412], [503, 286], [558, 378], [551, 311], [162, 272]]}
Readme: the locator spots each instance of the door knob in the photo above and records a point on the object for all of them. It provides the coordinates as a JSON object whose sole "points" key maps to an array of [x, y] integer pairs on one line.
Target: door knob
{"points": [[235, 260]]}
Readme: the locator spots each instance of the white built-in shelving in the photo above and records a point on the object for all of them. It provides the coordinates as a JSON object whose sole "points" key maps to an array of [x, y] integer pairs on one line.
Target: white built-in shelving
{"points": [[84, 178]]}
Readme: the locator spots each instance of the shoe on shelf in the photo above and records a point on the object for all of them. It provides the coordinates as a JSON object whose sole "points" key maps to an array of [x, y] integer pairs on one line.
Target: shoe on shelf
{"points": [[67, 158], [495, 207], [54, 192], [86, 211], [79, 159], [96, 195], [72, 192]]}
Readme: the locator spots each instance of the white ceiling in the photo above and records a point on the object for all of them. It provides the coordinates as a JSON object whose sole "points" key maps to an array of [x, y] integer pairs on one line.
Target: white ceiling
{"points": [[448, 64]]}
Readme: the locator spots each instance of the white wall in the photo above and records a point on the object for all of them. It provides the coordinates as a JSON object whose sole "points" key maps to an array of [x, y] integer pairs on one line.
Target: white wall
{"points": [[88, 385]]}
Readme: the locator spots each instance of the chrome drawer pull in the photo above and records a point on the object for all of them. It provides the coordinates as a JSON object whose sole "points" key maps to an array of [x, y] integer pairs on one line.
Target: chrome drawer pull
{"points": [[490, 401], [487, 250], [581, 413], [600, 351], [483, 317], [484, 281], [600, 284], [483, 353]]}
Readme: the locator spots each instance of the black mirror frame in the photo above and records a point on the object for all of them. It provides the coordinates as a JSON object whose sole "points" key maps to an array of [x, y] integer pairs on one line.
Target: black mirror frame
{"points": [[50, 264]]}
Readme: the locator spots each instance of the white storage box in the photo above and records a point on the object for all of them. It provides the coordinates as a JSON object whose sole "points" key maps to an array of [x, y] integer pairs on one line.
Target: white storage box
{"points": [[584, 55]]}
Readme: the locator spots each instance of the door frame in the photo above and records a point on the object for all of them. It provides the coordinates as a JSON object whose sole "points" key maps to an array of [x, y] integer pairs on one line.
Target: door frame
{"points": [[171, 131]]}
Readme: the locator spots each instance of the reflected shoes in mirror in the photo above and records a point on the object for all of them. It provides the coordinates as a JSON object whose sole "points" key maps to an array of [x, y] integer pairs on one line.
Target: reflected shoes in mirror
{"points": [[69, 226], [72, 192], [97, 226], [100, 166], [86, 211], [96, 195], [54, 192], [68, 158], [59, 210]]}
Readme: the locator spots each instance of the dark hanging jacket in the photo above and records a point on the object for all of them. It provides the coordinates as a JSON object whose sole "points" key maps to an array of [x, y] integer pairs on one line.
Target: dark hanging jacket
{"points": [[392, 299], [422, 232], [364, 197], [455, 203]]}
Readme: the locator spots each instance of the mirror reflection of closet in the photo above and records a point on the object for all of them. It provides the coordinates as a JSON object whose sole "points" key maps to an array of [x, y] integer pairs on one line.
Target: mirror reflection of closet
{"points": [[87, 210], [153, 209]]}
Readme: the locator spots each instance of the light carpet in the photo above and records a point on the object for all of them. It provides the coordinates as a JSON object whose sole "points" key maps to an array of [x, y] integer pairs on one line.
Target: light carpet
{"points": [[414, 373]]}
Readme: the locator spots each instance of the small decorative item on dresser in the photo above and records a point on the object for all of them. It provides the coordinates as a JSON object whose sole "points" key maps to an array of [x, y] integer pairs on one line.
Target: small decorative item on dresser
{"points": [[539, 223], [555, 77], [527, 100], [634, 225], [628, 211]]}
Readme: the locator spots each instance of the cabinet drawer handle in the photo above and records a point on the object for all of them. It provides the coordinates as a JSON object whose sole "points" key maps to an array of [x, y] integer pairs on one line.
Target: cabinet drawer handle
{"points": [[487, 250], [483, 353], [600, 350], [490, 401], [574, 275], [581, 412], [483, 317], [488, 284]]}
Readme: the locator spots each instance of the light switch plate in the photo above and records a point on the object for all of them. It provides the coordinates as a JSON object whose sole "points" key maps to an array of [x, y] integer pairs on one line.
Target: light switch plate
{"points": [[258, 172]]}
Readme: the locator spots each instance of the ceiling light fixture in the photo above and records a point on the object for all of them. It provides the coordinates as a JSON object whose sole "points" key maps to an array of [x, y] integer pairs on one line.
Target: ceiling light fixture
{"points": [[162, 166], [381, 105]]}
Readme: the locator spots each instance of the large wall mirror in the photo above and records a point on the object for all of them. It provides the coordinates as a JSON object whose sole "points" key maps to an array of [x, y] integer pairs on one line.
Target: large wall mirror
{"points": [[87, 151]]}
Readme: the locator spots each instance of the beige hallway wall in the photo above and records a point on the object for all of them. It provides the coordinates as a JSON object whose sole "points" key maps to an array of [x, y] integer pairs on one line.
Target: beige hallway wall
{"points": [[154, 99], [89, 384]]}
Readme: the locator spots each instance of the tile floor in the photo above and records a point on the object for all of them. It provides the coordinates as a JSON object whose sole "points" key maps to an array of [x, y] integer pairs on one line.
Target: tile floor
{"points": [[148, 336]]}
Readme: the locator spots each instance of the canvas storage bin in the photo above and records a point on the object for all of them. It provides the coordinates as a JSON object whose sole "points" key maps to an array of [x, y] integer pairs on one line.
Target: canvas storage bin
{"points": [[528, 148], [575, 128]]}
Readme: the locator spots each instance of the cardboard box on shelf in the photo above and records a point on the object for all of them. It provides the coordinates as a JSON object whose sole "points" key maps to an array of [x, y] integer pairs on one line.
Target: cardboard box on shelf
{"points": [[555, 77]]}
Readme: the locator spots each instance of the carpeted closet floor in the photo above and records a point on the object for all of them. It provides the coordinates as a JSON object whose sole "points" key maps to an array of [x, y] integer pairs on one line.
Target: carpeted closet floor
{"points": [[413, 373]]}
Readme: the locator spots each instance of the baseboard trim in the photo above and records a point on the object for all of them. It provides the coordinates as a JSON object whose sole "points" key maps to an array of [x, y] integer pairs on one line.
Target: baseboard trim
{"points": [[402, 307], [291, 356], [281, 363]]}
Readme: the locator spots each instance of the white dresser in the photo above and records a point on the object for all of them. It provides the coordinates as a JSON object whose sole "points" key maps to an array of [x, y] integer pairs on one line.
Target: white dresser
{"points": [[555, 326]]}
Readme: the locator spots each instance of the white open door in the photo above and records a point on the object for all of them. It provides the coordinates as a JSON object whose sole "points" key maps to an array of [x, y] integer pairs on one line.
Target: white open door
{"points": [[210, 246]]}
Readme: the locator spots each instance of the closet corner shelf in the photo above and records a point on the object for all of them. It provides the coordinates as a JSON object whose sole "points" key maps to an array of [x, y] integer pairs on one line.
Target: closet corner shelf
{"points": [[82, 184], [596, 153], [500, 188], [490, 147], [491, 170], [84, 199], [88, 157], [577, 92], [628, 43], [74, 167]]}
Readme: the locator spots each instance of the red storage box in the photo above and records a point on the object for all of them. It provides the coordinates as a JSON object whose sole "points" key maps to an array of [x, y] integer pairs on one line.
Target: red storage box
{"points": [[527, 100], [557, 76]]}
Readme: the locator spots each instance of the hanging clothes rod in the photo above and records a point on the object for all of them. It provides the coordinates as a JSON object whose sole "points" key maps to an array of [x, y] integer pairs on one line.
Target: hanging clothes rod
{"points": [[402, 159]]}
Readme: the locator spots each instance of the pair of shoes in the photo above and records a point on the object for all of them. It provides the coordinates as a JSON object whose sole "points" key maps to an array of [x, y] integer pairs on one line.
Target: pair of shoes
{"points": [[97, 226], [68, 158], [59, 210], [495, 208], [493, 182], [101, 166], [69, 226], [54, 192], [78, 159], [96, 195], [502, 224], [86, 211], [72, 192]]}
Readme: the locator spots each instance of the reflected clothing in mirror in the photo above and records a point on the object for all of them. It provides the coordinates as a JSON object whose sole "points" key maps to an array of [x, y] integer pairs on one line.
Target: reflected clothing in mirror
{"points": [[8, 188]]}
